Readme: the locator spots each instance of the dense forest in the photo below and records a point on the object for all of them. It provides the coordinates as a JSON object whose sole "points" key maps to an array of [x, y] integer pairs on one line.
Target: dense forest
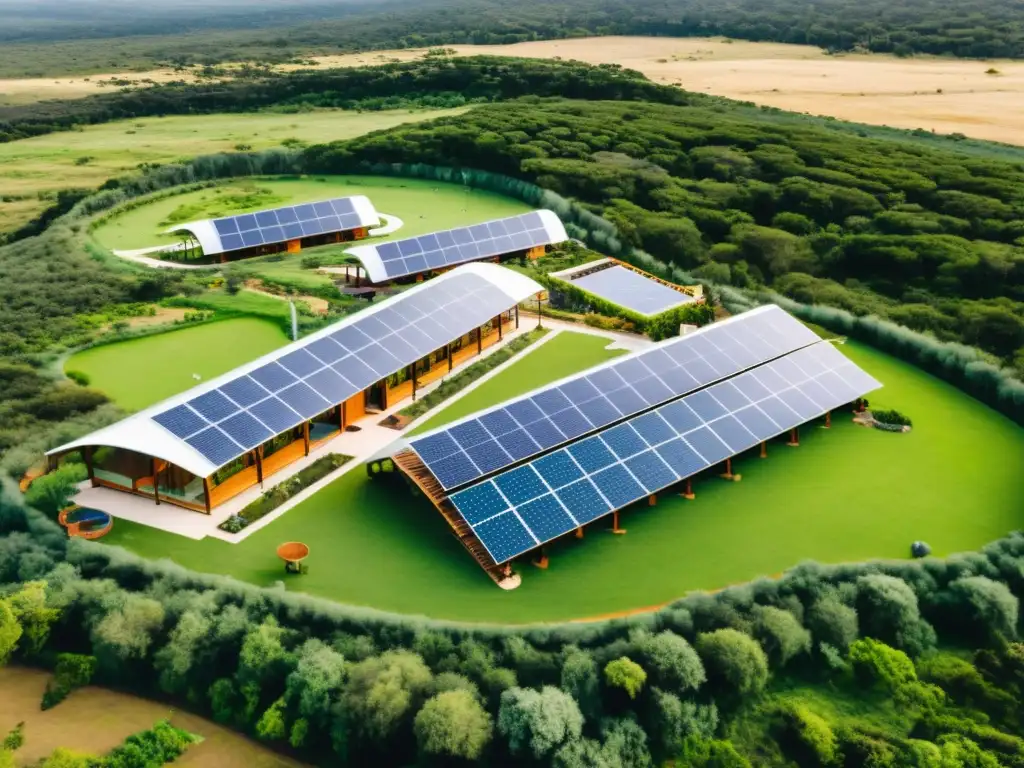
{"points": [[932, 240], [107, 39], [910, 664]]}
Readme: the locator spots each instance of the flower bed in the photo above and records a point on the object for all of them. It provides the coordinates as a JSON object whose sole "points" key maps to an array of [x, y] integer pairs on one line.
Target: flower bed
{"points": [[281, 492]]}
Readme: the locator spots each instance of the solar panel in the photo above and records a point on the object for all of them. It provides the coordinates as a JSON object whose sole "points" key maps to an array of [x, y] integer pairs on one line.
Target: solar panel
{"points": [[632, 384], [631, 290], [291, 222], [556, 493], [455, 246], [310, 377]]}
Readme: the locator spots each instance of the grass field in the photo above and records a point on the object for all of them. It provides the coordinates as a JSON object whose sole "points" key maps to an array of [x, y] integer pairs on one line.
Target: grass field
{"points": [[845, 494], [139, 372], [33, 170]]}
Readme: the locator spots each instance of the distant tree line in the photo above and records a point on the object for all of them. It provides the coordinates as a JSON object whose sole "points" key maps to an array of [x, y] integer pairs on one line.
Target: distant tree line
{"points": [[354, 687]]}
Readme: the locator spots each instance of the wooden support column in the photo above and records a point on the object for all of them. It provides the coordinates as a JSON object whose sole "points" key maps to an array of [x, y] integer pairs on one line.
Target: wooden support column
{"points": [[542, 559], [728, 472], [688, 493], [412, 375], [579, 532], [341, 416], [305, 436], [448, 348], [794, 437], [652, 500], [206, 493], [828, 419], [88, 466], [615, 523], [259, 464], [764, 449], [500, 331], [517, 317], [538, 311], [479, 339], [156, 484]]}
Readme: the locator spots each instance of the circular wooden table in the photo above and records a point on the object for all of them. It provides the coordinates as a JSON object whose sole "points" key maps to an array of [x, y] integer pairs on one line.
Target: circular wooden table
{"points": [[293, 553]]}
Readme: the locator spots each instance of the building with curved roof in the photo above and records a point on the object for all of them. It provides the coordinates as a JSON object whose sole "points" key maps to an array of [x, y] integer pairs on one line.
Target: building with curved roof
{"points": [[206, 445], [289, 228], [528, 234]]}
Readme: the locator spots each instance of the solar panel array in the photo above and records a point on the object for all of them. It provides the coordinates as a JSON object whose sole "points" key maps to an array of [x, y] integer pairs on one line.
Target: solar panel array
{"points": [[498, 438], [455, 246], [310, 377], [288, 223], [631, 290], [524, 507]]}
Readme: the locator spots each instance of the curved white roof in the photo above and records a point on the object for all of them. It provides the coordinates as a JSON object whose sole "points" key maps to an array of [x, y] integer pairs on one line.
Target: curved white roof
{"points": [[382, 266], [139, 432], [359, 212]]}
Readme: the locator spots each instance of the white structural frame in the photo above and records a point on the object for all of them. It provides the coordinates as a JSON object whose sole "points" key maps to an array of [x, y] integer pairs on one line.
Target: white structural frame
{"points": [[209, 238], [141, 434], [374, 265]]}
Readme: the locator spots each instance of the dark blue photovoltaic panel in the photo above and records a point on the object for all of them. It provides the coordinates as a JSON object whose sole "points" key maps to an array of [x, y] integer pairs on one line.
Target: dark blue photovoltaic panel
{"points": [[276, 415], [631, 290], [546, 518], [751, 386], [652, 428], [265, 226], [680, 416], [273, 377], [799, 403], [498, 422], [454, 470], [779, 412], [624, 441], [469, 434], [355, 370], [592, 454], [733, 434], [245, 430], [558, 469], [505, 537], [755, 420], [215, 446], [330, 386], [520, 485], [244, 391], [675, 368], [705, 406], [300, 363], [437, 447], [681, 457], [213, 406], [479, 502], [618, 486], [583, 501], [729, 396], [326, 350], [708, 445], [488, 456], [518, 444], [651, 471], [303, 400], [181, 421]]}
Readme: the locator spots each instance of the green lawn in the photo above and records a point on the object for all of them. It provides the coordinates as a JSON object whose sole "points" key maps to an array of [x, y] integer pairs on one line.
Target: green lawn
{"points": [[139, 372], [32, 171], [845, 494], [423, 206]]}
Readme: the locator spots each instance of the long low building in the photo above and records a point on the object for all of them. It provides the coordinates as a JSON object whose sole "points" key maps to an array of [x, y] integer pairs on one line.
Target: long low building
{"points": [[516, 476], [207, 445]]}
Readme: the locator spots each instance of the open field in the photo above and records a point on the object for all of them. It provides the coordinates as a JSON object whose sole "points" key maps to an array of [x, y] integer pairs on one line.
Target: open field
{"points": [[33, 170], [140, 372], [942, 94], [95, 720], [954, 478]]}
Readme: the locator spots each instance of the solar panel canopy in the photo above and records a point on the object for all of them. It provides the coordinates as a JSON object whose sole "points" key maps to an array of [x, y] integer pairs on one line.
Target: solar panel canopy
{"points": [[278, 225], [573, 407], [438, 250], [631, 290], [216, 422], [522, 508]]}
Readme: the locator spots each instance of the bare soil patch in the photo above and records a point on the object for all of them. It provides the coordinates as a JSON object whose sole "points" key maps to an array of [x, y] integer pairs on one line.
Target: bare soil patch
{"points": [[95, 720]]}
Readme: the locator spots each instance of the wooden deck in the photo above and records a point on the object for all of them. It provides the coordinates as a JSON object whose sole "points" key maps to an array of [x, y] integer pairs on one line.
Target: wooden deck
{"points": [[411, 466]]}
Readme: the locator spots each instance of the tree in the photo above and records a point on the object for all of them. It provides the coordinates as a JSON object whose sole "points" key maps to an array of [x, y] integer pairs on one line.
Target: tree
{"points": [[626, 742], [581, 681], [537, 722], [889, 611], [316, 680], [675, 720], [987, 608], [832, 622], [53, 491], [780, 634], [271, 726], [672, 662], [626, 674], [453, 724], [127, 632], [734, 661], [382, 690], [875, 662], [581, 753], [10, 632], [263, 654]]}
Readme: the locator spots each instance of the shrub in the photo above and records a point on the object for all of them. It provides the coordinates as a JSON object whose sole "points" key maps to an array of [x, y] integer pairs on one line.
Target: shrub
{"points": [[892, 417], [626, 674], [81, 379], [984, 608], [72, 671], [453, 724], [53, 491], [673, 663], [807, 736], [535, 723], [889, 611], [875, 663], [780, 634], [832, 622], [734, 661]]}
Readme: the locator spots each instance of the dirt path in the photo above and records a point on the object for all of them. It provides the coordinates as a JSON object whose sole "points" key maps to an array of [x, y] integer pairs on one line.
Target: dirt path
{"points": [[945, 95], [95, 720]]}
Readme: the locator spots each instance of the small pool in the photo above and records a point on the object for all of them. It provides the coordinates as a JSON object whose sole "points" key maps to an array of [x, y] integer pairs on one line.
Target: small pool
{"points": [[86, 522]]}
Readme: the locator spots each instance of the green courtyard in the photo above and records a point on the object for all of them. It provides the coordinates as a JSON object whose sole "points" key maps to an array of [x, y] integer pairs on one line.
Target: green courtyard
{"points": [[140, 372], [846, 494]]}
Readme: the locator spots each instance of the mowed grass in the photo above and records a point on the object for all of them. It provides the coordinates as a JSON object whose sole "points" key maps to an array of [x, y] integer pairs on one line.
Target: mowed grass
{"points": [[33, 170], [846, 494], [140, 372]]}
